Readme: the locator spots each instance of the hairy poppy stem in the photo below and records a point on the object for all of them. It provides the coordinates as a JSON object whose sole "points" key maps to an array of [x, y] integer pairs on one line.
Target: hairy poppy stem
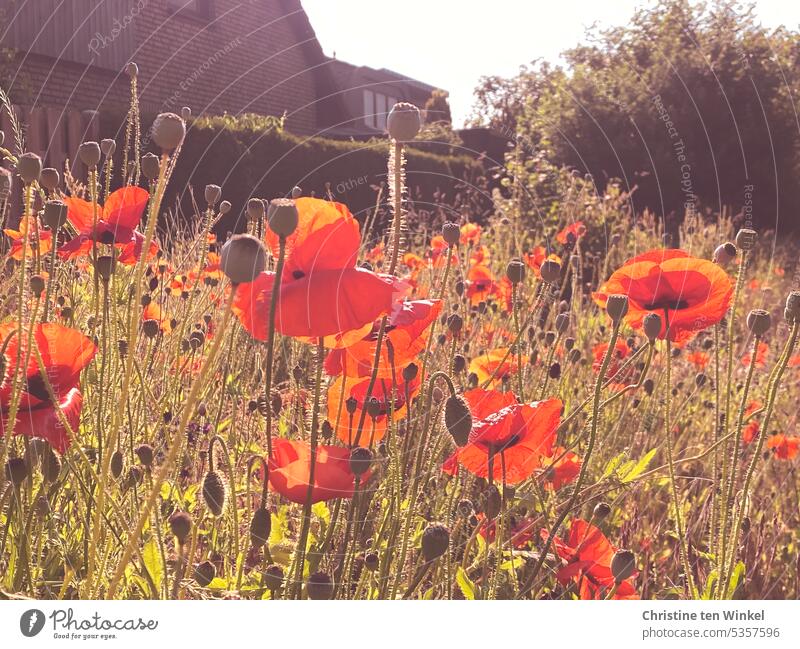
{"points": [[276, 288]]}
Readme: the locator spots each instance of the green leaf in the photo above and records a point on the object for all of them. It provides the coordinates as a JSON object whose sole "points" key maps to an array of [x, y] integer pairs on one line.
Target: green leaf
{"points": [[320, 510], [465, 584], [736, 577], [637, 469], [712, 579], [152, 562], [612, 465]]}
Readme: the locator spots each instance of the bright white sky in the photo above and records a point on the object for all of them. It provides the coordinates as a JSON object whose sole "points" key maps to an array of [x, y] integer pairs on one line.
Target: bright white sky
{"points": [[452, 43]]}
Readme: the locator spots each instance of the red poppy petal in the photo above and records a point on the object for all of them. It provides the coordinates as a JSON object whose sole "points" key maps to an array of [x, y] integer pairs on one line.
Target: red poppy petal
{"points": [[124, 207], [44, 421]]}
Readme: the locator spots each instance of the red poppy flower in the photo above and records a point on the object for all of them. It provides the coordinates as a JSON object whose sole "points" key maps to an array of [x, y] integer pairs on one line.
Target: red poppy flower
{"points": [[491, 363], [517, 435], [761, 356], [439, 248], [784, 447], [587, 555], [621, 351], [481, 285], [693, 293], [65, 353], [479, 255], [562, 468], [322, 293], [521, 531], [750, 432], [290, 466], [470, 234], [154, 312], [405, 336], [536, 257], [116, 225], [573, 231], [390, 396], [698, 358], [40, 235]]}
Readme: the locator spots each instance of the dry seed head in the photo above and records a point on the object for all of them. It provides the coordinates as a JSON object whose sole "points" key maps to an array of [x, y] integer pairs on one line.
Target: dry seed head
{"points": [[360, 460], [550, 270], [212, 194], [759, 321], [89, 153], [186, 113], [435, 541], [49, 178], [108, 147], [746, 239], [792, 311], [282, 216], [617, 307], [145, 454], [319, 585], [29, 167], [150, 166], [623, 565], [204, 573], [243, 258], [651, 326], [515, 271], [168, 131], [255, 209], [180, 523], [224, 207], [451, 233], [37, 285], [403, 122], [601, 510]]}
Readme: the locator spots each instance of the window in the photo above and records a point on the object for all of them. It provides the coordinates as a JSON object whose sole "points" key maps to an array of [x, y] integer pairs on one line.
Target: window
{"points": [[376, 108], [380, 110], [369, 108], [191, 8]]}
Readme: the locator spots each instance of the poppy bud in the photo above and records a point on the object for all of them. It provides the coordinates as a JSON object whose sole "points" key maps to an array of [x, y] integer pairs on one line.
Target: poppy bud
{"points": [[51, 465], [224, 207], [150, 166], [319, 585], [168, 131], [37, 285], [145, 454], [550, 270], [273, 577], [410, 372], [116, 464], [759, 321], [562, 322], [260, 527], [435, 541], [212, 194], [282, 216], [652, 326], [617, 307], [132, 70], [108, 146], [351, 404], [186, 113], [255, 209], [454, 323], [104, 266], [458, 419], [243, 258], [214, 493], [601, 510], [623, 565], [403, 122], [746, 239], [89, 153], [700, 379], [180, 523], [724, 254], [451, 233], [492, 501], [29, 167], [360, 460], [549, 338], [792, 311], [204, 573], [49, 178], [16, 470], [515, 271]]}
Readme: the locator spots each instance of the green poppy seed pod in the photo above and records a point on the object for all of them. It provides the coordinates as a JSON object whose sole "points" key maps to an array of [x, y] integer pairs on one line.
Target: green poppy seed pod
{"points": [[562, 322], [260, 527], [550, 270], [410, 372], [204, 573], [617, 307], [132, 70], [319, 585], [435, 541], [224, 207], [404, 122], [601, 510], [515, 271], [297, 192], [282, 216], [651, 325], [458, 419], [273, 577], [104, 266], [759, 321], [212, 194], [150, 166], [451, 233], [214, 493], [360, 460], [255, 209], [49, 178], [108, 147], [168, 131], [180, 523], [117, 464], [89, 153], [145, 454], [724, 254], [186, 113], [792, 311], [16, 471], [454, 323], [29, 167], [746, 239], [243, 258], [623, 565], [37, 285]]}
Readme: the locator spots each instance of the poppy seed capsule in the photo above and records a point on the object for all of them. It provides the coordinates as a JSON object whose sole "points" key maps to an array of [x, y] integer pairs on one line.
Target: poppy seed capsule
{"points": [[180, 523], [792, 311], [255, 209], [550, 270], [104, 265], [243, 258], [515, 271], [37, 285], [108, 147], [186, 113], [204, 573], [168, 131], [746, 239], [319, 586], [617, 307], [724, 254], [89, 153], [623, 565], [435, 541], [150, 328], [214, 493], [451, 233], [116, 464], [601, 510], [212, 194], [360, 460], [49, 178], [132, 70], [351, 404], [371, 561], [297, 191], [454, 323], [459, 363], [150, 166], [403, 122], [51, 465], [652, 326], [145, 454], [458, 419], [648, 386], [16, 470], [224, 207], [759, 321], [29, 167], [282, 216], [562, 322], [260, 527], [410, 372], [273, 577]]}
